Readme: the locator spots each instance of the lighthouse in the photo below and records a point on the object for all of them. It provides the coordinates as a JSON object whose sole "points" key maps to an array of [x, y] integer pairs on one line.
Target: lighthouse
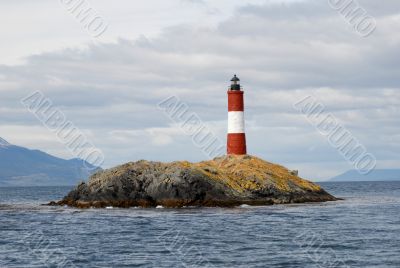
{"points": [[236, 141]]}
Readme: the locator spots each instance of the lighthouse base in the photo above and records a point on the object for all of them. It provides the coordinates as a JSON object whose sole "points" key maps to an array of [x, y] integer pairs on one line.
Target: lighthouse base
{"points": [[236, 144]]}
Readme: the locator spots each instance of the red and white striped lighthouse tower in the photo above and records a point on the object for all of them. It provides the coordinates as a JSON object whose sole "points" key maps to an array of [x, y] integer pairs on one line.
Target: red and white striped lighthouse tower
{"points": [[236, 142]]}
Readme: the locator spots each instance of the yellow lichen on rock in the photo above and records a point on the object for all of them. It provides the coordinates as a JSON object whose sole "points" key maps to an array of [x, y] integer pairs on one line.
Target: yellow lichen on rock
{"points": [[245, 172], [241, 173], [223, 181]]}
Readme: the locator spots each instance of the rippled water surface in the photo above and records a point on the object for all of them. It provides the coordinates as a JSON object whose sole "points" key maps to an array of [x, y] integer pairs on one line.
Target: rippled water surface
{"points": [[361, 231]]}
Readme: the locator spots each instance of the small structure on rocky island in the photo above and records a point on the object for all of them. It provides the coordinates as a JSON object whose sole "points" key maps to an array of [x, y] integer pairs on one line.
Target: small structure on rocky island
{"points": [[230, 180]]}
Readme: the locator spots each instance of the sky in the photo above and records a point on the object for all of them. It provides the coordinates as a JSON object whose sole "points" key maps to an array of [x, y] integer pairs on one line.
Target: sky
{"points": [[283, 51]]}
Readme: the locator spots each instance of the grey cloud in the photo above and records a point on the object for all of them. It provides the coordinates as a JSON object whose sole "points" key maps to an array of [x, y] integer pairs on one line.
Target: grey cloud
{"points": [[317, 8]]}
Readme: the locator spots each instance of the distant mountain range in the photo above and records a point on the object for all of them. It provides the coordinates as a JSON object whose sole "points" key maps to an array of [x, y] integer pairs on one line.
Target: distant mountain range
{"points": [[374, 175], [20, 166]]}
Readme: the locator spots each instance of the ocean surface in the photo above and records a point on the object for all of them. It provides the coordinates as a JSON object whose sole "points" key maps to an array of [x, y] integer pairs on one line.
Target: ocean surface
{"points": [[363, 230]]}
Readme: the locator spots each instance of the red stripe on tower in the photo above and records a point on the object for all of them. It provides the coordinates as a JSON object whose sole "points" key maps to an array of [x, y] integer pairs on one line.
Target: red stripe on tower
{"points": [[236, 142]]}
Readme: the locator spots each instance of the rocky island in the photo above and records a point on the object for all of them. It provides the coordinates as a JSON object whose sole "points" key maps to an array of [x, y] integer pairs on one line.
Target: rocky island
{"points": [[224, 181]]}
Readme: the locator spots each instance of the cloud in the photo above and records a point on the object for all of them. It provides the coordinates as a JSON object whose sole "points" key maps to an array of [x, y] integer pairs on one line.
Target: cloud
{"points": [[282, 52]]}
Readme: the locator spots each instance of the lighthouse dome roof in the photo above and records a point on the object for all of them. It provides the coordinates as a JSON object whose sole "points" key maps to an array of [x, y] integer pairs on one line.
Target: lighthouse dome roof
{"points": [[235, 78]]}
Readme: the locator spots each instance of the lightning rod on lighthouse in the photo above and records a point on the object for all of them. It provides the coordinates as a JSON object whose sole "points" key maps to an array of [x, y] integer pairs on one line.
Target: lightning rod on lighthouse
{"points": [[236, 141]]}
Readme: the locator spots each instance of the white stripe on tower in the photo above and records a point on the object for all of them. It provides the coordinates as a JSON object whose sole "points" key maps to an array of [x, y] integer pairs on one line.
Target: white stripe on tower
{"points": [[236, 122]]}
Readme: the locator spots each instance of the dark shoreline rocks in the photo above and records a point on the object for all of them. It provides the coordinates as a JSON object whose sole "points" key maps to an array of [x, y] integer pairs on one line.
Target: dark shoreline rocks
{"points": [[225, 181]]}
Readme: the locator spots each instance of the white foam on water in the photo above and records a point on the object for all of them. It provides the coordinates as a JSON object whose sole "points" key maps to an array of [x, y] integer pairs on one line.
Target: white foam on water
{"points": [[159, 206]]}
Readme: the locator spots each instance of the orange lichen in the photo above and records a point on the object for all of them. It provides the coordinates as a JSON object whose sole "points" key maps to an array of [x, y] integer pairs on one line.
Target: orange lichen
{"points": [[241, 173], [242, 179], [246, 172]]}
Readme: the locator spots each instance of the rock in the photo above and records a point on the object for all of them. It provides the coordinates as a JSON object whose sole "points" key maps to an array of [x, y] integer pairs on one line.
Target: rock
{"points": [[224, 181]]}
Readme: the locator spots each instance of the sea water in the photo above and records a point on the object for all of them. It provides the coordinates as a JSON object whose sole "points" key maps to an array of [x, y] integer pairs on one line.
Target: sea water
{"points": [[363, 230]]}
